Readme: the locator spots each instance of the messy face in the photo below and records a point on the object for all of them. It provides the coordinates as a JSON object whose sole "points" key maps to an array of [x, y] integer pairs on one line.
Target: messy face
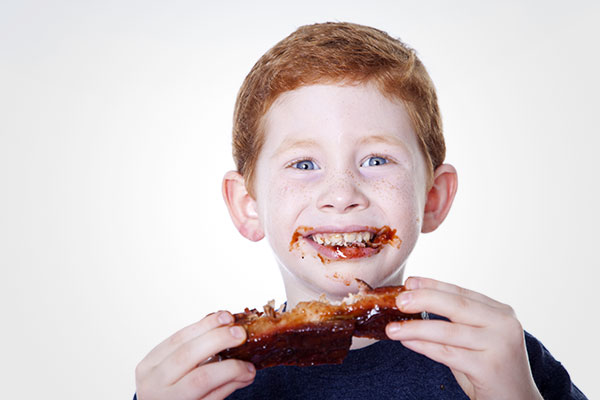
{"points": [[340, 187]]}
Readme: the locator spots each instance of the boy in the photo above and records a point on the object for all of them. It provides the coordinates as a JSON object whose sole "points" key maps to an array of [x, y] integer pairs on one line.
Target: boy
{"points": [[337, 133]]}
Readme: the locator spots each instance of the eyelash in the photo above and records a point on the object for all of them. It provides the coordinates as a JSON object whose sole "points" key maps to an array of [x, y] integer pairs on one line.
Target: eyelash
{"points": [[299, 160], [312, 160], [383, 156]]}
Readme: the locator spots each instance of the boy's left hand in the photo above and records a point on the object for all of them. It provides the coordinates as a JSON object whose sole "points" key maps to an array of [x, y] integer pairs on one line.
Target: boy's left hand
{"points": [[483, 343]]}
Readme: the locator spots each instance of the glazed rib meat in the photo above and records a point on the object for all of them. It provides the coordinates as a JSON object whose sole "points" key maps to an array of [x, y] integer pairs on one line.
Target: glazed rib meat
{"points": [[316, 332]]}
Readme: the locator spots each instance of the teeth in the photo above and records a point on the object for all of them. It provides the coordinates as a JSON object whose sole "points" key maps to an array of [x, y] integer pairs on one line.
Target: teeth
{"points": [[343, 239]]}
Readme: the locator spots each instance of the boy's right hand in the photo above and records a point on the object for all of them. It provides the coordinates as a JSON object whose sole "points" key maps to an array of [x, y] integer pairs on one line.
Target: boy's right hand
{"points": [[180, 367]]}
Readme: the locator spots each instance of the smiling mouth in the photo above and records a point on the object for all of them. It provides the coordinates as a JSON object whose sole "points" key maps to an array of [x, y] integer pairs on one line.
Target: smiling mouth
{"points": [[352, 239], [332, 246]]}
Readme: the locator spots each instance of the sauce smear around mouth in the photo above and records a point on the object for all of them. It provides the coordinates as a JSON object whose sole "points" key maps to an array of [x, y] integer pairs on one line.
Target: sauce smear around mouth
{"points": [[385, 235]]}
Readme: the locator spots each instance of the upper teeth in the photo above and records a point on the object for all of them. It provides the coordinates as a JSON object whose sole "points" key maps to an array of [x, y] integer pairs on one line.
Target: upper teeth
{"points": [[342, 239]]}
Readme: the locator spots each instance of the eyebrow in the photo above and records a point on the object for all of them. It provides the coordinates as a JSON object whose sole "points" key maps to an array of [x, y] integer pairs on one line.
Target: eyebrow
{"points": [[386, 139], [292, 143]]}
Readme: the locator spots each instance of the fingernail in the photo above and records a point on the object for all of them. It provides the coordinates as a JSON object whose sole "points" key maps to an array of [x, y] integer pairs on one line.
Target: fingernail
{"points": [[237, 332], [250, 367], [224, 318], [393, 329], [405, 298], [413, 283]]}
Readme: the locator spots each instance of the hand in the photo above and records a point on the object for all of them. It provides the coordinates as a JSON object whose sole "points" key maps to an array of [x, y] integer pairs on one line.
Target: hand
{"points": [[180, 367], [483, 343]]}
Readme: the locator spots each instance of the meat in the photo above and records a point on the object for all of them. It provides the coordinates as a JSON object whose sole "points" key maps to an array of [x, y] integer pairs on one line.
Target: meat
{"points": [[316, 332]]}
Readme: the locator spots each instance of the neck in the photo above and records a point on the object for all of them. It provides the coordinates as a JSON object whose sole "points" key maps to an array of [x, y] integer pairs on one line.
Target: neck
{"points": [[297, 290]]}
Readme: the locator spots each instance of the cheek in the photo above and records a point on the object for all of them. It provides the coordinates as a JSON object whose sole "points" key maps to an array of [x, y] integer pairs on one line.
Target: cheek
{"points": [[400, 201], [285, 200]]}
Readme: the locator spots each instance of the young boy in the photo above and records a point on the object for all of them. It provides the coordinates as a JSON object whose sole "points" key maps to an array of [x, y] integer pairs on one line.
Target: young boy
{"points": [[337, 133]]}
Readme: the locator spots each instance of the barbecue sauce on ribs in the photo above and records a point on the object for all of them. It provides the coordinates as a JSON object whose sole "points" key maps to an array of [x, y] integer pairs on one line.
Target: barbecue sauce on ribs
{"points": [[316, 332]]}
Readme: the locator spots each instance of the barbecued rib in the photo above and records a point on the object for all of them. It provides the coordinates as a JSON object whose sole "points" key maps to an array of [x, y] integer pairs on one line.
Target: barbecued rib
{"points": [[316, 332]]}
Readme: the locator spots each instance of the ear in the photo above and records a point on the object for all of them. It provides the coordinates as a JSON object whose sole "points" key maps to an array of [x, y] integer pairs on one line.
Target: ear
{"points": [[440, 197], [241, 206]]}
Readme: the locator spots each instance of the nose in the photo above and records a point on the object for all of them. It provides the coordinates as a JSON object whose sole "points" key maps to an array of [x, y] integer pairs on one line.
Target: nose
{"points": [[342, 195]]}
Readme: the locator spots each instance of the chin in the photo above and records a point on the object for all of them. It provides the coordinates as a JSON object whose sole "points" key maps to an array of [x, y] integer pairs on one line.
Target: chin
{"points": [[336, 278], [337, 283], [336, 288]]}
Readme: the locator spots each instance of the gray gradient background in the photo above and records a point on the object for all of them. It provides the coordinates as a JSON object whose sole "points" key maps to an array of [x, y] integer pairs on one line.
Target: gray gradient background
{"points": [[115, 133]]}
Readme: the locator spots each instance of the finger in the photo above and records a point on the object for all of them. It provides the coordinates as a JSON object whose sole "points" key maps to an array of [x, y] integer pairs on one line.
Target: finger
{"points": [[455, 307], [227, 389], [168, 346], [455, 358], [440, 332], [187, 356], [421, 283], [206, 379]]}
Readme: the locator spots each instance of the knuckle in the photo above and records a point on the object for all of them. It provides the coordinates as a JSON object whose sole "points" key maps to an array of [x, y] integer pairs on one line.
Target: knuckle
{"points": [[450, 330], [201, 377], [509, 311], [157, 376], [447, 351], [511, 323], [182, 356], [140, 371], [177, 338], [462, 292], [517, 326], [462, 302]]}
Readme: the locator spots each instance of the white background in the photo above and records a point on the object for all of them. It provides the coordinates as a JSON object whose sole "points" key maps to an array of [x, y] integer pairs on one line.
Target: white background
{"points": [[115, 120]]}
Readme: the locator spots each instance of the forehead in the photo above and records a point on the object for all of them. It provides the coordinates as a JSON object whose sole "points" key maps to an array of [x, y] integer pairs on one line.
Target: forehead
{"points": [[317, 113]]}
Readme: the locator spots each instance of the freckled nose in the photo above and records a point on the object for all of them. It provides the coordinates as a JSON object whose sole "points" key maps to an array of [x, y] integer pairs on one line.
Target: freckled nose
{"points": [[341, 197]]}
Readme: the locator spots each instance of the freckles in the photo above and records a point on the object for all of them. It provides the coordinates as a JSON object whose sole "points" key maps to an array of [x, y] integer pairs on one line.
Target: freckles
{"points": [[287, 191], [391, 190]]}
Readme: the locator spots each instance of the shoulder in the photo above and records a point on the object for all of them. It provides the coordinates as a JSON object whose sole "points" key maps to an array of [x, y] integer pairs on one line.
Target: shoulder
{"points": [[551, 378]]}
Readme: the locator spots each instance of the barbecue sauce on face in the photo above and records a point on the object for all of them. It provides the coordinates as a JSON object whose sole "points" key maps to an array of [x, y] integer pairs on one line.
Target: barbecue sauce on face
{"points": [[298, 233], [385, 235]]}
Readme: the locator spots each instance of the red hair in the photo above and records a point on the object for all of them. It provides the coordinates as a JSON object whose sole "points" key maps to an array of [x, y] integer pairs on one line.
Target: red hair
{"points": [[336, 53]]}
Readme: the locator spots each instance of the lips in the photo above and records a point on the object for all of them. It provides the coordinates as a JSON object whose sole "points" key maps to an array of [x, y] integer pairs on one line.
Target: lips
{"points": [[347, 243]]}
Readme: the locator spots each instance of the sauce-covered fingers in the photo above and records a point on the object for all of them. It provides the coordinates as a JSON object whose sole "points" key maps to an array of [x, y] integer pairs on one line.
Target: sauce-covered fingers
{"points": [[194, 352], [168, 346], [212, 380], [427, 283]]}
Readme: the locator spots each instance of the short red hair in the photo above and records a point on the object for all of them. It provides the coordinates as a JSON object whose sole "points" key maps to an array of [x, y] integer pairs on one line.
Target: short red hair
{"points": [[336, 53]]}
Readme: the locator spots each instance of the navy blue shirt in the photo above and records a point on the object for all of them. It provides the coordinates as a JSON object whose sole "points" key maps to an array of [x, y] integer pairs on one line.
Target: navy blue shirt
{"points": [[388, 370]]}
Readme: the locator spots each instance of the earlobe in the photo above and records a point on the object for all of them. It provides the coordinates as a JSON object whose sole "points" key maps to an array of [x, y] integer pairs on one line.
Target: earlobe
{"points": [[440, 197], [241, 206]]}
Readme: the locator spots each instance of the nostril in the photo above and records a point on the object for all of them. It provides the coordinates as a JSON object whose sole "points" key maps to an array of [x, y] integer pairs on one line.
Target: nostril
{"points": [[343, 198]]}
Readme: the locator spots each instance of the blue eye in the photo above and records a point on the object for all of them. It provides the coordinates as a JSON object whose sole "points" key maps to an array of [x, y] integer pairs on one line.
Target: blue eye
{"points": [[374, 161], [305, 165]]}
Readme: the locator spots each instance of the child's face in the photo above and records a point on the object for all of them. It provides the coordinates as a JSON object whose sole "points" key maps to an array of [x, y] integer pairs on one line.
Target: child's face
{"points": [[339, 159]]}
